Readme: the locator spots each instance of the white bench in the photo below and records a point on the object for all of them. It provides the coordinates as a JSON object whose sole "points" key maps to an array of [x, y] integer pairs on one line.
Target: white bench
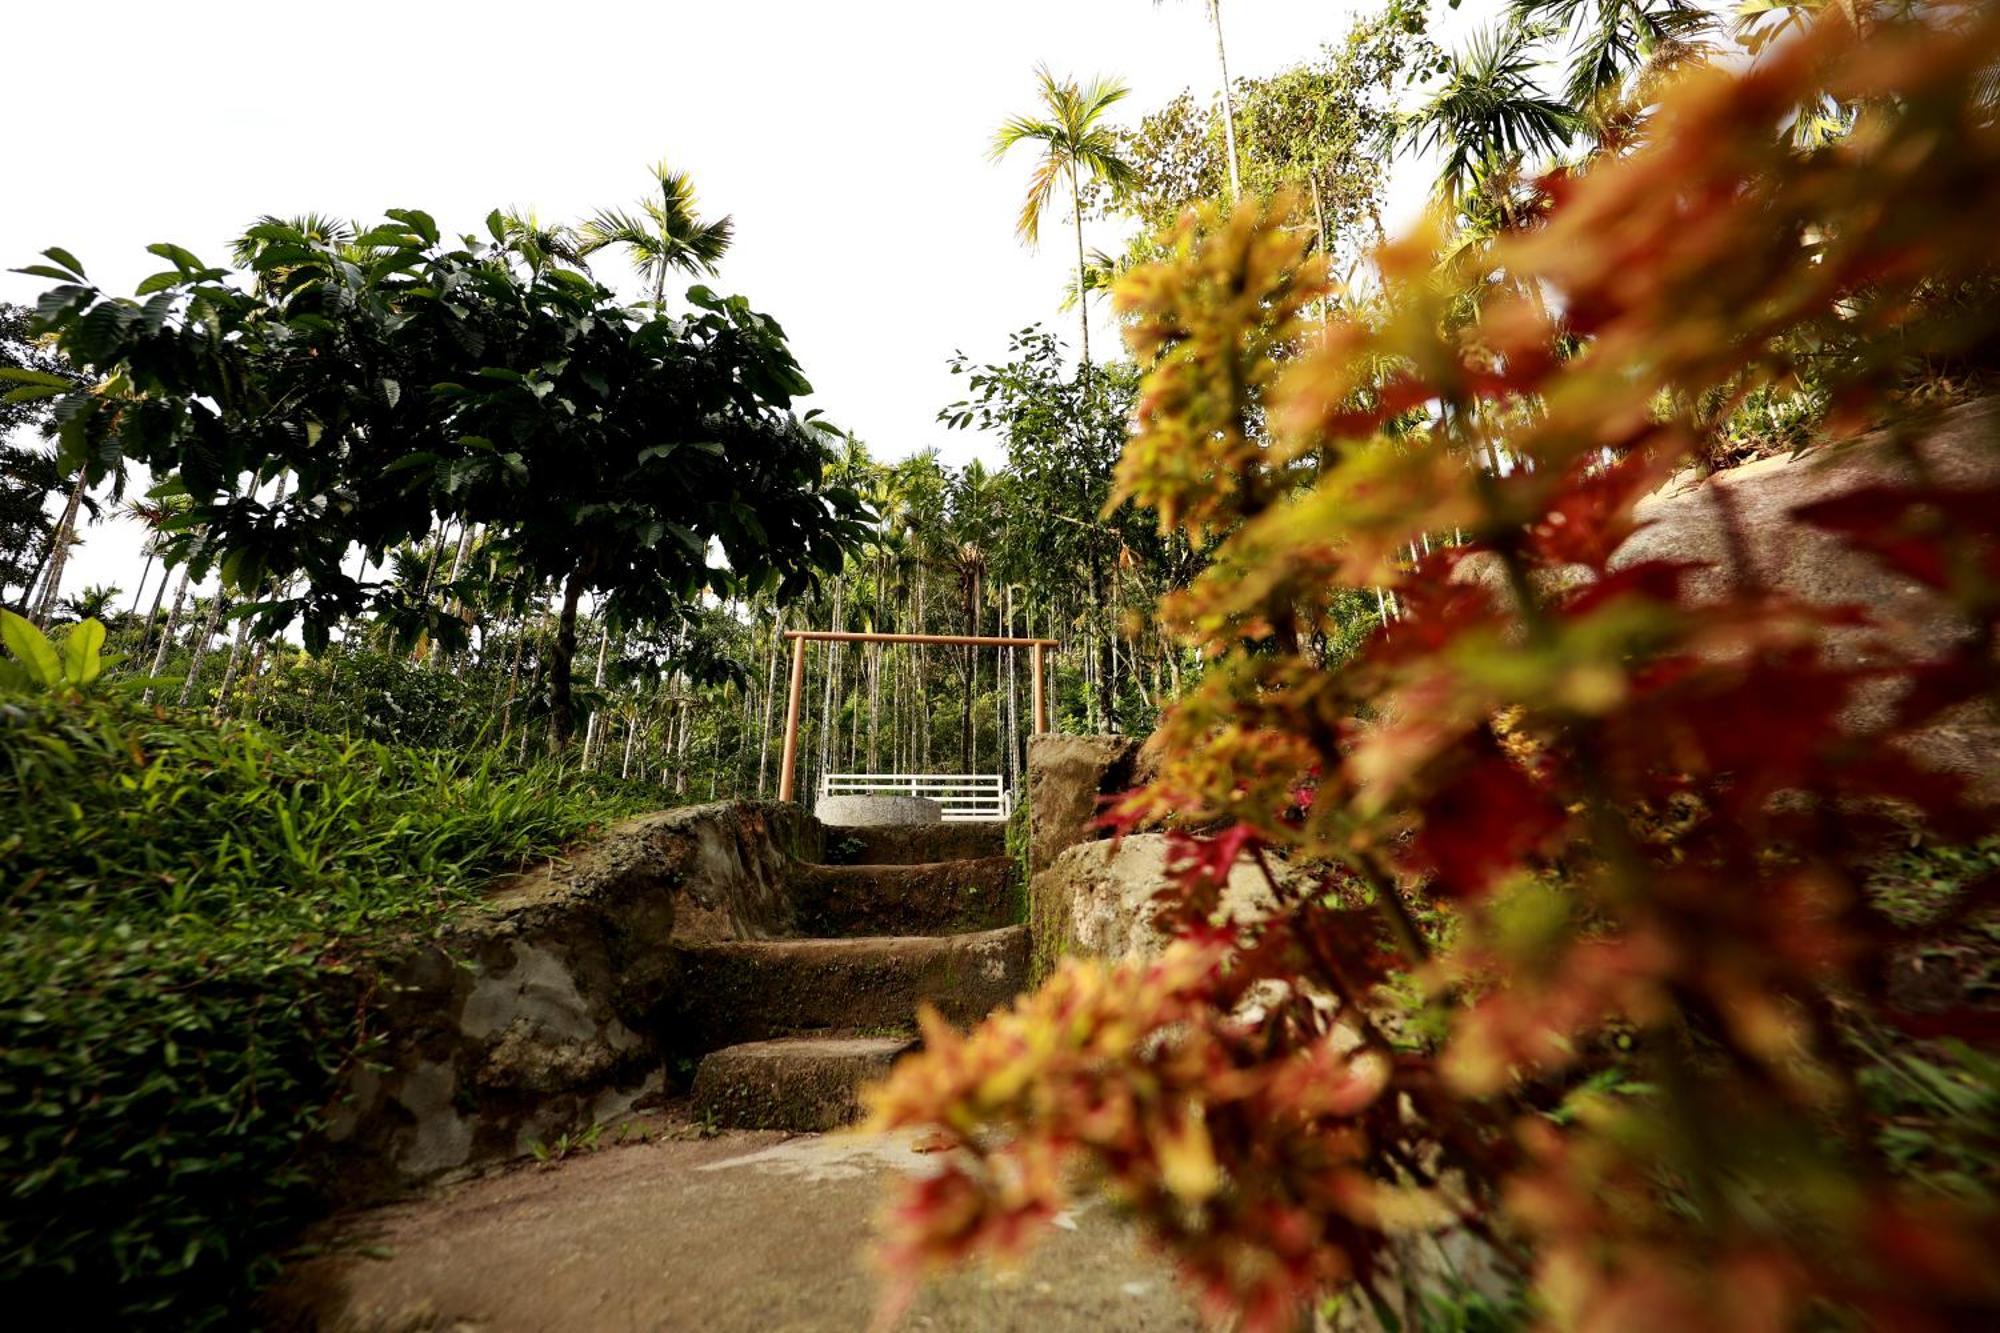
{"points": [[964, 797]]}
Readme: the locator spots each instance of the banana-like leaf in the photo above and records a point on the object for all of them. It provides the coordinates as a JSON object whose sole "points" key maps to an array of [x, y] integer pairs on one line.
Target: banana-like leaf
{"points": [[31, 650], [81, 647]]}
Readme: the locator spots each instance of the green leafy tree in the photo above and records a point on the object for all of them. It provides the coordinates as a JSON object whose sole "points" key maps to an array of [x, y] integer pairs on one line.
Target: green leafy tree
{"points": [[646, 461], [1319, 127], [30, 375], [1075, 143]]}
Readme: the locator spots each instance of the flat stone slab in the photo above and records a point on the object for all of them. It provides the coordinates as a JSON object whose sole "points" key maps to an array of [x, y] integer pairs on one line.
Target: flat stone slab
{"points": [[867, 810], [742, 1233], [804, 1084], [752, 990], [914, 844], [940, 898]]}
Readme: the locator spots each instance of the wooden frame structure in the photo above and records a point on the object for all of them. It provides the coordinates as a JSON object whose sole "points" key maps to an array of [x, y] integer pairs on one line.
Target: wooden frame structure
{"points": [[788, 771]]}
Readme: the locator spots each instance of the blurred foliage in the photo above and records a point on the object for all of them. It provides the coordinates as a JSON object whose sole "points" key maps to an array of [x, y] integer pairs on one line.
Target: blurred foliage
{"points": [[1604, 967]]}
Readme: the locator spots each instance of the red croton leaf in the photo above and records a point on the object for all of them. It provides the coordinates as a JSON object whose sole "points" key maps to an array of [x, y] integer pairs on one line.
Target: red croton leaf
{"points": [[1483, 821], [1592, 513]]}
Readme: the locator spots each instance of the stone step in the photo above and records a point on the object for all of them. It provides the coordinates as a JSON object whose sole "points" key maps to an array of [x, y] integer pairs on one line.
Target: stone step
{"points": [[914, 844], [802, 1084], [752, 990], [941, 898]]}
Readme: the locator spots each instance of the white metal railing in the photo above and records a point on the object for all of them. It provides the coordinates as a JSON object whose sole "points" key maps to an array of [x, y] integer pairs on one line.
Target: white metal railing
{"points": [[963, 796]]}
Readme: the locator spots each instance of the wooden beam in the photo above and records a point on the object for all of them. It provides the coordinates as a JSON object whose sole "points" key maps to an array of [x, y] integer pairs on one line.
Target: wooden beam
{"points": [[788, 772], [1041, 706], [976, 640]]}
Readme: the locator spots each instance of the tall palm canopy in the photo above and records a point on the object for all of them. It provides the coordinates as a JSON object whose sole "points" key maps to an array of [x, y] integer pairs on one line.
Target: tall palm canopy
{"points": [[664, 235], [1611, 38], [1488, 110], [1075, 142]]}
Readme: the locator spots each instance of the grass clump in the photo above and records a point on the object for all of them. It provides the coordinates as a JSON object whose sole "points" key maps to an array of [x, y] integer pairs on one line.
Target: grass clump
{"points": [[174, 893]]}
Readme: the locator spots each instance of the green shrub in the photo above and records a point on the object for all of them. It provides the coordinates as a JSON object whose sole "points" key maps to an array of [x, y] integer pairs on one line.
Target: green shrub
{"points": [[173, 893], [372, 695]]}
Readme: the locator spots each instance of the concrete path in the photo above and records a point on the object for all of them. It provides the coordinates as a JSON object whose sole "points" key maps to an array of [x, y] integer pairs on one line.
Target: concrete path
{"points": [[743, 1231]]}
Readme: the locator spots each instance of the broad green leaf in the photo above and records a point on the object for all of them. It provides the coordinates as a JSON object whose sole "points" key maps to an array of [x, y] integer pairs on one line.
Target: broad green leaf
{"points": [[65, 258], [22, 375], [179, 257], [80, 648], [30, 392], [159, 282], [31, 649], [46, 271]]}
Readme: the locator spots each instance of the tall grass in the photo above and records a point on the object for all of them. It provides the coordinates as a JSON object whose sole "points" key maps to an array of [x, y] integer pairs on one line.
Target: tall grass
{"points": [[173, 894]]}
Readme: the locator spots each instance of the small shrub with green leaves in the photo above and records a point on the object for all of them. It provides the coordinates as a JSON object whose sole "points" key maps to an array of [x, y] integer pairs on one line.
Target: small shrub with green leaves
{"points": [[74, 663], [373, 696]]}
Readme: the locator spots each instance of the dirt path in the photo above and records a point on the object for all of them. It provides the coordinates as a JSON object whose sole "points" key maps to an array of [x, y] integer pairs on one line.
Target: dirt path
{"points": [[746, 1231]]}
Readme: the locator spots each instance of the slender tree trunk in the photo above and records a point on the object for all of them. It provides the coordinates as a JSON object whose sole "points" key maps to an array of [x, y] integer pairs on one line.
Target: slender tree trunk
{"points": [[457, 564], [167, 635], [153, 615], [1082, 296], [562, 707], [593, 733], [59, 544], [243, 625], [139, 593], [770, 694], [215, 608], [1228, 99]]}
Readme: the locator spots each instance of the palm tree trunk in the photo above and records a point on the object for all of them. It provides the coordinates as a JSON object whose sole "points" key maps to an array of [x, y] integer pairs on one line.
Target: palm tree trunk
{"points": [[770, 694], [562, 710], [1228, 99], [1082, 296], [215, 608], [593, 732], [139, 593], [167, 635], [457, 563], [153, 615], [59, 544]]}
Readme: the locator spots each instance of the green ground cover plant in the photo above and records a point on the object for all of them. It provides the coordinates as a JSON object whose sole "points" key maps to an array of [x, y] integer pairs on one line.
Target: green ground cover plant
{"points": [[178, 898]]}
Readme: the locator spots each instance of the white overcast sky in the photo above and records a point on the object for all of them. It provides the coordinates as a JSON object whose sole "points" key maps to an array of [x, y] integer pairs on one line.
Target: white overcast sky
{"points": [[848, 142]]}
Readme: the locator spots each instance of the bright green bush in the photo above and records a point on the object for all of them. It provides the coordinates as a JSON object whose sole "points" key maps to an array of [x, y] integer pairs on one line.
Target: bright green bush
{"points": [[375, 696], [173, 894]]}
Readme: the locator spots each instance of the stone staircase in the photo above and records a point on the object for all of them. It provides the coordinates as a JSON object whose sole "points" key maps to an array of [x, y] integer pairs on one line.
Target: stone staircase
{"points": [[794, 1027]]}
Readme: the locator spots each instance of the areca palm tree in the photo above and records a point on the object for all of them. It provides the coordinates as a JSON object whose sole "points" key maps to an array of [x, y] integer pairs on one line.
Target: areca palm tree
{"points": [[1612, 38], [664, 235], [1489, 109], [1214, 8], [1075, 143]]}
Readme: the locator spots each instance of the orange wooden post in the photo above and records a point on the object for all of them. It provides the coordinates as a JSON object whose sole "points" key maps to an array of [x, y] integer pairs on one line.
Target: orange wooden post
{"points": [[788, 771], [1041, 706]]}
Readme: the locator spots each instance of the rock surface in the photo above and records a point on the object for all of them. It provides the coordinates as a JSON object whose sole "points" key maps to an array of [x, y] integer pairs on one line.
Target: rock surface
{"points": [[536, 1016], [890, 845], [753, 990], [1098, 897], [1068, 779], [931, 899], [1684, 522], [799, 1084], [890, 811], [744, 1233]]}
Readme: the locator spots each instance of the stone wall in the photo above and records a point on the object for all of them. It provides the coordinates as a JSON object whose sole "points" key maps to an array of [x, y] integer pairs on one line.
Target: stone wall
{"points": [[540, 1014]]}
